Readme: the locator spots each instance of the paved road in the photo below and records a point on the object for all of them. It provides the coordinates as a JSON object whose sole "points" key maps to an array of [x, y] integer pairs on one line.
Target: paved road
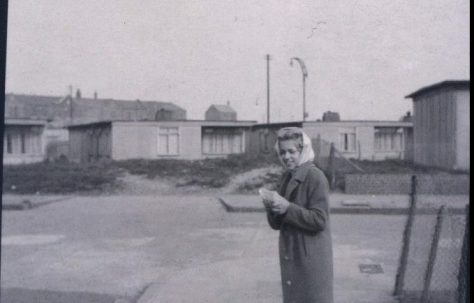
{"points": [[99, 249]]}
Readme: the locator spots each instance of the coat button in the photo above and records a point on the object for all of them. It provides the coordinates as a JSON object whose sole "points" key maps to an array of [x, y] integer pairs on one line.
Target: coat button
{"points": [[286, 258], [288, 282]]}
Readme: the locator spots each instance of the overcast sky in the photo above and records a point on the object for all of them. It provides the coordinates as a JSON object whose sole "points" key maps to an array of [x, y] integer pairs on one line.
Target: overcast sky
{"points": [[362, 57]]}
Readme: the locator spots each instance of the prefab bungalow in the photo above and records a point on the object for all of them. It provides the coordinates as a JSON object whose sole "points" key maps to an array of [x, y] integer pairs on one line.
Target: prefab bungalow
{"points": [[23, 141], [366, 140], [363, 140], [187, 139]]}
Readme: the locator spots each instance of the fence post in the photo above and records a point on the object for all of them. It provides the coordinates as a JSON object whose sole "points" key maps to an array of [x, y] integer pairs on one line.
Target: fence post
{"points": [[400, 277], [332, 166], [463, 275], [318, 148], [432, 256], [358, 150]]}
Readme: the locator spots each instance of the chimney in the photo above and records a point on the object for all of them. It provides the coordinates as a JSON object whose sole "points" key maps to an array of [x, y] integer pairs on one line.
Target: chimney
{"points": [[228, 103], [95, 94], [78, 94]]}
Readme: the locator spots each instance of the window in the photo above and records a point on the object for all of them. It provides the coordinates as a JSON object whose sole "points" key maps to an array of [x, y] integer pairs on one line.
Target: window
{"points": [[348, 142], [8, 143], [168, 141], [222, 141], [388, 139], [22, 141]]}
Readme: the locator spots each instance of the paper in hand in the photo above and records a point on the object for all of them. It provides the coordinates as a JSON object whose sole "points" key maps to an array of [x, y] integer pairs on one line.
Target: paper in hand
{"points": [[266, 194]]}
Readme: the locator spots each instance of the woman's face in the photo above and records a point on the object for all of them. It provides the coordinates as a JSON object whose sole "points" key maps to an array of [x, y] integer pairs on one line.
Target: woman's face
{"points": [[290, 153]]}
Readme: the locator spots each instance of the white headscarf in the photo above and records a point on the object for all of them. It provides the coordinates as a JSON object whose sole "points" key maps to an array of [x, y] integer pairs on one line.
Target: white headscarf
{"points": [[307, 153]]}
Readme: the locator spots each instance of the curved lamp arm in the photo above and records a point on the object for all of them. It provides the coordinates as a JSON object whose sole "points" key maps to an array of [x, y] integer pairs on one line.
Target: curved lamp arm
{"points": [[303, 67]]}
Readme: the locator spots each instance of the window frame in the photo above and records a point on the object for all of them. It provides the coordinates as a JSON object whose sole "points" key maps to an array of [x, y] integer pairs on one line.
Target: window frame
{"points": [[160, 141], [389, 142], [225, 142], [344, 141]]}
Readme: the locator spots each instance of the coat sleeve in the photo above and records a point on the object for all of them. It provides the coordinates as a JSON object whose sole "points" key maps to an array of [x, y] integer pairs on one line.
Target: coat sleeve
{"points": [[314, 216], [274, 220]]}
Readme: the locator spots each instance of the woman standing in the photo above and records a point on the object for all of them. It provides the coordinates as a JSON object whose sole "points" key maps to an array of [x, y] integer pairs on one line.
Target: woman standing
{"points": [[300, 211]]}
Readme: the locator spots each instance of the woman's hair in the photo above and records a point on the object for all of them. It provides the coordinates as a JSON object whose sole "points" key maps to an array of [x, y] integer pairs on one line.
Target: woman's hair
{"points": [[291, 133]]}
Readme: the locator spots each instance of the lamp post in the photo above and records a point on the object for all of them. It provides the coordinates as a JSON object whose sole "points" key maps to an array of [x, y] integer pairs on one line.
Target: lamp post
{"points": [[268, 87], [305, 74]]}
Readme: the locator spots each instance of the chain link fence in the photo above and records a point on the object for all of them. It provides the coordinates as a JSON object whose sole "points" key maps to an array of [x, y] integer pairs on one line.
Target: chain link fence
{"points": [[433, 264], [334, 164]]}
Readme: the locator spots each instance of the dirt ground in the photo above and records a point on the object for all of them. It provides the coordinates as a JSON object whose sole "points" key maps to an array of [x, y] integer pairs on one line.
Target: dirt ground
{"points": [[141, 185]]}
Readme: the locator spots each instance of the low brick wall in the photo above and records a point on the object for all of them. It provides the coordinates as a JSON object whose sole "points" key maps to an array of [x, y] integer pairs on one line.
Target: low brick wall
{"points": [[428, 184]]}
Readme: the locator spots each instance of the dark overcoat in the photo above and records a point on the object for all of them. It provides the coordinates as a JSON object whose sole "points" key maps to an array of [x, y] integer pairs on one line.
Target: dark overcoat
{"points": [[305, 245]]}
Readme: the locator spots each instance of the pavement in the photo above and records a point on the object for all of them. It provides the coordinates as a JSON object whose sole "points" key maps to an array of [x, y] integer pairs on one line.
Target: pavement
{"points": [[250, 271], [257, 273], [360, 204]]}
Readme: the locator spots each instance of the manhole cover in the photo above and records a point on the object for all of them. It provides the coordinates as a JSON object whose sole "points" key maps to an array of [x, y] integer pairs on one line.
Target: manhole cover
{"points": [[371, 268]]}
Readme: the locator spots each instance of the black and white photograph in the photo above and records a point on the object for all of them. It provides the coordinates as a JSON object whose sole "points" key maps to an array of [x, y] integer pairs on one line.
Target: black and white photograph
{"points": [[216, 151]]}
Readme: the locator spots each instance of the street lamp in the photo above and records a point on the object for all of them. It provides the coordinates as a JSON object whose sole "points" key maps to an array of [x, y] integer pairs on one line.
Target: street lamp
{"points": [[305, 74]]}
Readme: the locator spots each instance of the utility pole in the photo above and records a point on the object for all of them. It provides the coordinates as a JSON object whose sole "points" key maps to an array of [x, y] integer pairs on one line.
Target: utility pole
{"points": [[268, 88]]}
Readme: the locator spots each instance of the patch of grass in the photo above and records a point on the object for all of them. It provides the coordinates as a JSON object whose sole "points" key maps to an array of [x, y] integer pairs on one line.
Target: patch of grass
{"points": [[59, 178], [66, 177]]}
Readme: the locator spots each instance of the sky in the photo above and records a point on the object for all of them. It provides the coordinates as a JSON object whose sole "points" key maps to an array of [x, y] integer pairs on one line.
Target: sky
{"points": [[362, 57]]}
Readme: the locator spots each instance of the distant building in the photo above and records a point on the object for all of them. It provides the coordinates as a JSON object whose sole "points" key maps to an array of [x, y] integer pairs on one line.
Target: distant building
{"points": [[442, 125], [23, 141], [330, 116], [221, 113], [64, 110]]}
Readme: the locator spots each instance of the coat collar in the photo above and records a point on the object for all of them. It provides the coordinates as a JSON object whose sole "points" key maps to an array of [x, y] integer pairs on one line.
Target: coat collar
{"points": [[302, 170], [298, 176]]}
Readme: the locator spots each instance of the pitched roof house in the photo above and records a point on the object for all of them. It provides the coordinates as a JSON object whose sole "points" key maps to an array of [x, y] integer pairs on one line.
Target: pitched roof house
{"points": [[220, 113], [63, 110]]}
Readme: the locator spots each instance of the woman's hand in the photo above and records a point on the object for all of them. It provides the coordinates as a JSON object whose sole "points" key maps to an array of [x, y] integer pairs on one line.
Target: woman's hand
{"points": [[279, 205], [268, 205]]}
